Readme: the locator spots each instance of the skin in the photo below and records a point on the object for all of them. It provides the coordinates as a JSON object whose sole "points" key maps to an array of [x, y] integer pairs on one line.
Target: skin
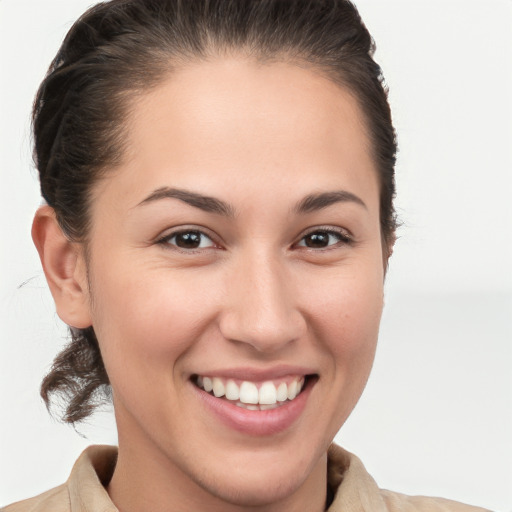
{"points": [[260, 138]]}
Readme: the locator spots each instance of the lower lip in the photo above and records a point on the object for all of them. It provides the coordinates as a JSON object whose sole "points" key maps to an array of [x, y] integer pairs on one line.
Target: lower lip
{"points": [[257, 423]]}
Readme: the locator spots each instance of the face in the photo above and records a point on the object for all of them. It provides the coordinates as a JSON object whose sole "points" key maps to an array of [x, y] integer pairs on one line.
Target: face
{"points": [[238, 247]]}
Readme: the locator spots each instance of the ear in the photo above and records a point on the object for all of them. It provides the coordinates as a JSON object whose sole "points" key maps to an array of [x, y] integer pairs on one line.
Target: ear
{"points": [[388, 245], [64, 267]]}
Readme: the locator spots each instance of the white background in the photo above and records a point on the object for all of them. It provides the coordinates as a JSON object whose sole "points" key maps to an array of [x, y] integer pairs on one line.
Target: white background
{"points": [[436, 417]]}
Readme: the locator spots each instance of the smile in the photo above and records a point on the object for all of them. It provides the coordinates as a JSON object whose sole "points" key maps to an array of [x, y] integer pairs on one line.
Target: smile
{"points": [[253, 395]]}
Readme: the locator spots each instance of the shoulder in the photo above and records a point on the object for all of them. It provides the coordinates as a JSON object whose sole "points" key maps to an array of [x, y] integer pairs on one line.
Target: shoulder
{"points": [[402, 503], [84, 490], [354, 490], [56, 500]]}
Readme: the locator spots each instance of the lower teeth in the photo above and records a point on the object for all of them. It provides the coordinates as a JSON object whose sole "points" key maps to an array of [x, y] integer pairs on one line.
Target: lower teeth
{"points": [[261, 407]]}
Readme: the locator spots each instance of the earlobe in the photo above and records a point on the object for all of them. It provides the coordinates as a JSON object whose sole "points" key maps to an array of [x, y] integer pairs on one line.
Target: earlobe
{"points": [[64, 267]]}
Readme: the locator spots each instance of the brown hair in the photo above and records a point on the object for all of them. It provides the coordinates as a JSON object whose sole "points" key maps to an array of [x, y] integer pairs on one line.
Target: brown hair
{"points": [[121, 48]]}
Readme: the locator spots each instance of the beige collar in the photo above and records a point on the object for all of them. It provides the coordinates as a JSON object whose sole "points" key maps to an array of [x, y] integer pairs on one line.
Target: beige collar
{"points": [[355, 490]]}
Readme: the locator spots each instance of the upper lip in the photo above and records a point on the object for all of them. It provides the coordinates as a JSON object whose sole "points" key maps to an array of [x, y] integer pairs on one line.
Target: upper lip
{"points": [[257, 374]]}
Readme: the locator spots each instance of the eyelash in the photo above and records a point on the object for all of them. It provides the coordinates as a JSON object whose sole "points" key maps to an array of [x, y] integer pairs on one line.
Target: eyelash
{"points": [[343, 238]]}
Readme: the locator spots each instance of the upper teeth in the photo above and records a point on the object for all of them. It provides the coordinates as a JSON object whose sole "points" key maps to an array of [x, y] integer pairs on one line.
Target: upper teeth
{"points": [[248, 392]]}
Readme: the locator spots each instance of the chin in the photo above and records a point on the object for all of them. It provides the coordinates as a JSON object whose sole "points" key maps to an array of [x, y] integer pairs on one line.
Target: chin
{"points": [[253, 488], [261, 478]]}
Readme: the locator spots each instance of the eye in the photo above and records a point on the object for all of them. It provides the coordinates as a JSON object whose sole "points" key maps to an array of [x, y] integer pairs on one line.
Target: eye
{"points": [[188, 239], [323, 238]]}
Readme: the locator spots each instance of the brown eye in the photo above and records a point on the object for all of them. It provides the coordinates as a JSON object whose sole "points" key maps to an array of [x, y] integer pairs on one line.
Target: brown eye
{"points": [[189, 240], [322, 239]]}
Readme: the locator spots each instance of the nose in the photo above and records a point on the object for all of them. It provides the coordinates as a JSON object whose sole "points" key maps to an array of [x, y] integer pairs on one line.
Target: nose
{"points": [[261, 307]]}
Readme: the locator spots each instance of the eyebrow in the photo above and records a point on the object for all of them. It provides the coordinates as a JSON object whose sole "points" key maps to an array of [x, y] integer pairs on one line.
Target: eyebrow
{"points": [[311, 203], [314, 202], [205, 203]]}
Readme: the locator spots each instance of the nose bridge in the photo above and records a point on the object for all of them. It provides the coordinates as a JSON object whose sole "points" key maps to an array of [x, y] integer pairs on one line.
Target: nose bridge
{"points": [[262, 309]]}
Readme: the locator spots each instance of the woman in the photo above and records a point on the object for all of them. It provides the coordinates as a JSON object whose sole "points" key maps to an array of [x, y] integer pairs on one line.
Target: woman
{"points": [[219, 184]]}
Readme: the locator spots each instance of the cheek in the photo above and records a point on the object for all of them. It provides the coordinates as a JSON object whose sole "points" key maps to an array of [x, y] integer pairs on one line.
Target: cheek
{"points": [[148, 319], [352, 332], [347, 313], [349, 307]]}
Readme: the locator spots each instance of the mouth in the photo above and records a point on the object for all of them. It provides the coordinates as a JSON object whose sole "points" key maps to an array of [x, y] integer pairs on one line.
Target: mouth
{"points": [[254, 396]]}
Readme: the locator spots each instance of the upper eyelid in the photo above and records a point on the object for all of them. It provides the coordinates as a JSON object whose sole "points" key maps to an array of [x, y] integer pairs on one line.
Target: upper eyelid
{"points": [[327, 229], [169, 232]]}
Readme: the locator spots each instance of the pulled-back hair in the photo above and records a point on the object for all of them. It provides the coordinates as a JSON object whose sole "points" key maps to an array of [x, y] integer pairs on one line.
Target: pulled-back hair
{"points": [[122, 48]]}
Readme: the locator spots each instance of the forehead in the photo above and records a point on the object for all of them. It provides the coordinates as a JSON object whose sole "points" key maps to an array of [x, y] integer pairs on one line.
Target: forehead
{"points": [[213, 120], [223, 94]]}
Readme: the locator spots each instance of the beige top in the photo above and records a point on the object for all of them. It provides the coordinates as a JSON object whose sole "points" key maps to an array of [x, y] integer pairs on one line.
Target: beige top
{"points": [[355, 490]]}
